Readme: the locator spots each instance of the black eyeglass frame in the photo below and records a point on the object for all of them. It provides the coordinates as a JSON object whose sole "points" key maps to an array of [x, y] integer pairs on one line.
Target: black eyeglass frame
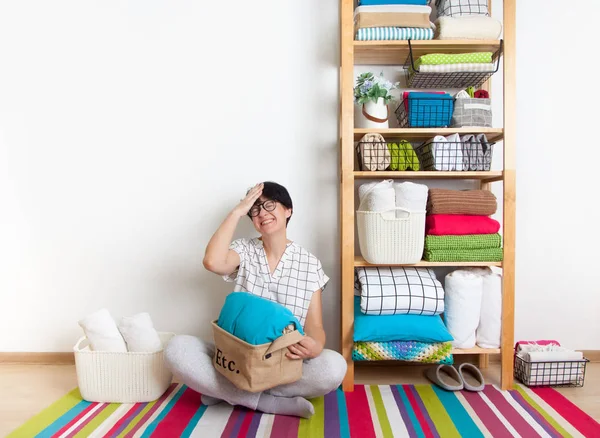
{"points": [[262, 205]]}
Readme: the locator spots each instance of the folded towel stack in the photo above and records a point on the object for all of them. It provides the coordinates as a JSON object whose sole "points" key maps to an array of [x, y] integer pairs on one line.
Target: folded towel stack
{"points": [[386, 195], [465, 19], [458, 228], [376, 20]]}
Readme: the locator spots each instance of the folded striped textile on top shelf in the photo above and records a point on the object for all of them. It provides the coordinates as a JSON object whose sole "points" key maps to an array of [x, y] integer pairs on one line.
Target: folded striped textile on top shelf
{"points": [[469, 202], [473, 241], [409, 351], [463, 255], [393, 34]]}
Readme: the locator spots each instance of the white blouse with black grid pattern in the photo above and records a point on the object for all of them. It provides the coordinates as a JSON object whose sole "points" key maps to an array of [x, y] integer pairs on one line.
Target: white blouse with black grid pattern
{"points": [[298, 275]]}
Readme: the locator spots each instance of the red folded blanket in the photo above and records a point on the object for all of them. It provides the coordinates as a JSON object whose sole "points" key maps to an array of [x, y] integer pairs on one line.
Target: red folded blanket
{"points": [[456, 224]]}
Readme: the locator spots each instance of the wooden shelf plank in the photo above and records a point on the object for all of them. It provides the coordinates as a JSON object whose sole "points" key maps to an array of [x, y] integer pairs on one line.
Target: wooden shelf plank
{"points": [[491, 176], [396, 52], [360, 262], [492, 134], [476, 350]]}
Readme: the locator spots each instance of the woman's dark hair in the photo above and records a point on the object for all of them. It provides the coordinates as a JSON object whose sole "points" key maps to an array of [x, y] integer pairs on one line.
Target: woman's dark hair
{"points": [[277, 192]]}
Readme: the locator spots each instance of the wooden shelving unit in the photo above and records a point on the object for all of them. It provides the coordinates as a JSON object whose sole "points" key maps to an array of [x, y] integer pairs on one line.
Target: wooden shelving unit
{"points": [[395, 53]]}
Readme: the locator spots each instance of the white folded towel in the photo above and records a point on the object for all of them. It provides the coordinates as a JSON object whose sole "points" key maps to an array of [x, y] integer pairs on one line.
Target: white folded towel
{"points": [[139, 333], [470, 27], [489, 330], [463, 290], [456, 160], [377, 197], [411, 196], [102, 332]]}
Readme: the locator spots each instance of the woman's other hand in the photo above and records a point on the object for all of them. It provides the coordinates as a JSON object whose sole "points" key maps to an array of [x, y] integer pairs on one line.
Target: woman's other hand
{"points": [[246, 204], [307, 348]]}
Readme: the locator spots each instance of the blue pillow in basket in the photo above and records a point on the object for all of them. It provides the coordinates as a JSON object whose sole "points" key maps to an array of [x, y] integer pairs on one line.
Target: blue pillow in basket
{"points": [[430, 110], [254, 319], [385, 328]]}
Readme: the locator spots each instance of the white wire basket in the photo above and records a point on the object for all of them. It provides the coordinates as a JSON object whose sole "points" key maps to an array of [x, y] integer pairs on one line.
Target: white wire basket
{"points": [[393, 237], [130, 377]]}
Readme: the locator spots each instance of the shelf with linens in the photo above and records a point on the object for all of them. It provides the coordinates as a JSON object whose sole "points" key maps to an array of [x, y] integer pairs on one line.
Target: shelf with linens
{"points": [[359, 261], [396, 52], [377, 47]]}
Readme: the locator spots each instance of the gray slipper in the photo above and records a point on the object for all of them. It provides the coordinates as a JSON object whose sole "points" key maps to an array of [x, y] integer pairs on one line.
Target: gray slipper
{"points": [[446, 377], [471, 376]]}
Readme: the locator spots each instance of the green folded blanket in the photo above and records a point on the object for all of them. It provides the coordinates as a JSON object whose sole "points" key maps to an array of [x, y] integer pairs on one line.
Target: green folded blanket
{"points": [[471, 241], [463, 255], [454, 58], [403, 156]]}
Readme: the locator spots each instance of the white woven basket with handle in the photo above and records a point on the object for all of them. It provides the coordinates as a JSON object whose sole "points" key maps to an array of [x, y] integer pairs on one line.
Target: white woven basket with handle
{"points": [[385, 238], [130, 377]]}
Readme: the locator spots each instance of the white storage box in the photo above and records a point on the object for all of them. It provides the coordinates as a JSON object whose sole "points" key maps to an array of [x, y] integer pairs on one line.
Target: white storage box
{"points": [[131, 377], [392, 237]]}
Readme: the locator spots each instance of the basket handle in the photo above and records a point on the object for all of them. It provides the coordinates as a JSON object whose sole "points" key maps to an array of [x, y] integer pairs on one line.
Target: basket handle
{"points": [[284, 341], [77, 346]]}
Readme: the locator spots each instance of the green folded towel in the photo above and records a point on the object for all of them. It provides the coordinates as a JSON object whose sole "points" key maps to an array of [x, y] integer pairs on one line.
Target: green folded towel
{"points": [[463, 255], [471, 241], [454, 58], [403, 156]]}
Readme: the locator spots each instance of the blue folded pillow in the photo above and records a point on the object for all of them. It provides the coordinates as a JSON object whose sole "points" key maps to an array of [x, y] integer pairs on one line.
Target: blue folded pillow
{"points": [[385, 328], [254, 319]]}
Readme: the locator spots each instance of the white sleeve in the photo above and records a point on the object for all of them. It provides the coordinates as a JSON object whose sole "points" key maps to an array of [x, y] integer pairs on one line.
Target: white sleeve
{"points": [[241, 247]]}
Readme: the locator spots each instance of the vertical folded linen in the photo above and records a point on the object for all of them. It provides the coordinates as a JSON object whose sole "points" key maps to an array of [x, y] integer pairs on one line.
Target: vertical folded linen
{"points": [[102, 332], [462, 301], [139, 333]]}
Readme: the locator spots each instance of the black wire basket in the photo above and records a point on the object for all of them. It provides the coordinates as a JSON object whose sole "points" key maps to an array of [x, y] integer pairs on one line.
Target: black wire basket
{"points": [[425, 112], [458, 8], [456, 155], [378, 156], [415, 78], [563, 374]]}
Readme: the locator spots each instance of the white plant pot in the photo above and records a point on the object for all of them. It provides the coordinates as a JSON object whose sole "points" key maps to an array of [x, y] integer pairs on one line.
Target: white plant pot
{"points": [[374, 115]]}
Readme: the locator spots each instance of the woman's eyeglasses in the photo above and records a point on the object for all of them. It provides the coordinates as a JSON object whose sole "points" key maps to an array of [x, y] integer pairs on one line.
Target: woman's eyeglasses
{"points": [[268, 205]]}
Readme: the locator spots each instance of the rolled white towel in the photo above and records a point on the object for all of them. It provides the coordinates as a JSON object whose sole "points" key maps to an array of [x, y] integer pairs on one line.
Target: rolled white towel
{"points": [[463, 290], [489, 330], [377, 197], [411, 196], [139, 333], [102, 332]]}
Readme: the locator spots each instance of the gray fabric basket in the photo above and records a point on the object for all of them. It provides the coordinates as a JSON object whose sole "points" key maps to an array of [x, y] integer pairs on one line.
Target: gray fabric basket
{"points": [[472, 112], [459, 8]]}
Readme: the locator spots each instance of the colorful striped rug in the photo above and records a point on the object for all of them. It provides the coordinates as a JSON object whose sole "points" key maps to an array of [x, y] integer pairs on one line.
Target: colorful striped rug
{"points": [[369, 411]]}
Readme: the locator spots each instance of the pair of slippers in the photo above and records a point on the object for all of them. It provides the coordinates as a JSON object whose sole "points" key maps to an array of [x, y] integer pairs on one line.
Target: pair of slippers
{"points": [[449, 378]]}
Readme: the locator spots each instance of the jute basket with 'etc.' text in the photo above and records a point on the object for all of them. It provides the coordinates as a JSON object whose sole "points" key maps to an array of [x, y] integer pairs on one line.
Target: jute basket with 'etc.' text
{"points": [[255, 368]]}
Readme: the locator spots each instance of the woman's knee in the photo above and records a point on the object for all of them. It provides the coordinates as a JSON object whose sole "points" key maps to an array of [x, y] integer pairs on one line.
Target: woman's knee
{"points": [[337, 366], [183, 348]]}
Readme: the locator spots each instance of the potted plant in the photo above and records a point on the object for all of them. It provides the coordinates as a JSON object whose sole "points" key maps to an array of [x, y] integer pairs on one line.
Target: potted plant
{"points": [[373, 93]]}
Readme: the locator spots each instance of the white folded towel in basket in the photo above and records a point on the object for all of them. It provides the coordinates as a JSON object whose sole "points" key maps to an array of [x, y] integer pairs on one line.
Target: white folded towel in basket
{"points": [[102, 332], [139, 333], [411, 196], [378, 197]]}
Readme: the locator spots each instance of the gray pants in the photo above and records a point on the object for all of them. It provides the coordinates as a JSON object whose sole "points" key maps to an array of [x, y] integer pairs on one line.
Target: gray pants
{"points": [[190, 360]]}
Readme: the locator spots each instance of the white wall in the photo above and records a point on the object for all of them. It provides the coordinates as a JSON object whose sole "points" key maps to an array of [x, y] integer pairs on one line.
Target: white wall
{"points": [[127, 131]]}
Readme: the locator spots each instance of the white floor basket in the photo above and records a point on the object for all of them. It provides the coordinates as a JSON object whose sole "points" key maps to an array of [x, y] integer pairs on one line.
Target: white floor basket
{"points": [[111, 377], [385, 238]]}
